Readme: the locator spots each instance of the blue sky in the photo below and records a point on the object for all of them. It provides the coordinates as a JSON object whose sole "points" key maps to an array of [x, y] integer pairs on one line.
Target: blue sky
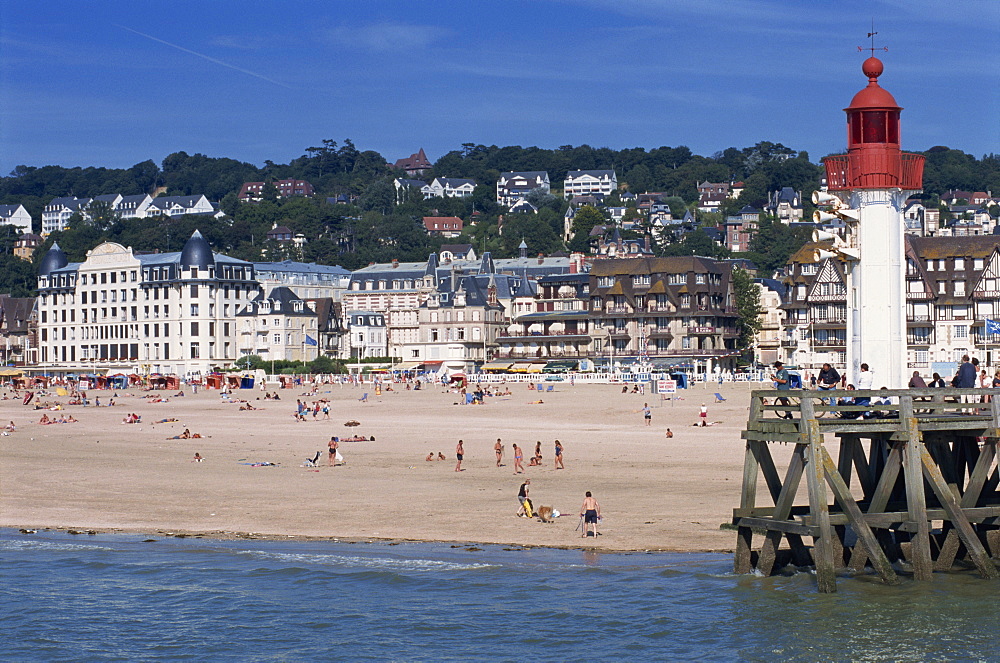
{"points": [[115, 83]]}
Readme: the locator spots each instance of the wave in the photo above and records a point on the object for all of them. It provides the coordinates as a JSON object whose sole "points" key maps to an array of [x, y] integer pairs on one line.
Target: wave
{"points": [[366, 563], [16, 545]]}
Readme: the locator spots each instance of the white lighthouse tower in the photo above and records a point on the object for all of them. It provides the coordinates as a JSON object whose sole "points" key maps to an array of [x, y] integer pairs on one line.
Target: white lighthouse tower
{"points": [[873, 180]]}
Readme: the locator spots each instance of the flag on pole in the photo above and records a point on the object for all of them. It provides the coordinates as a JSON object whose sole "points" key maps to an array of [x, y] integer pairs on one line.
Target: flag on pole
{"points": [[310, 340], [992, 327]]}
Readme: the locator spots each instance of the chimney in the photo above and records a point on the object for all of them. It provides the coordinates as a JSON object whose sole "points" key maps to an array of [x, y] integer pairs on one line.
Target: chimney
{"points": [[395, 263], [541, 258], [572, 265]]}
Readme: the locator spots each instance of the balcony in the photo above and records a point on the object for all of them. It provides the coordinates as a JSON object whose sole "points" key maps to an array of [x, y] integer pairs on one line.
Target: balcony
{"points": [[542, 335], [918, 318], [922, 339], [885, 170], [830, 343], [789, 343], [618, 309], [979, 338], [700, 330]]}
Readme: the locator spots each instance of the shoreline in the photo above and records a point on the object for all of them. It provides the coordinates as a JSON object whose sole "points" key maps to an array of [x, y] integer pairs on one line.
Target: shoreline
{"points": [[259, 536], [656, 494]]}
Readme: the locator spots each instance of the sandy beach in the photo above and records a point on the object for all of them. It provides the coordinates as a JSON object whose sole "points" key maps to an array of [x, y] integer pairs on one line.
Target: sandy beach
{"points": [[655, 493]]}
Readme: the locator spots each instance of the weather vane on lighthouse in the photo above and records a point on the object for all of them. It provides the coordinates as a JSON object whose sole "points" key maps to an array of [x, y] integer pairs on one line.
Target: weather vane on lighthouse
{"points": [[873, 48]]}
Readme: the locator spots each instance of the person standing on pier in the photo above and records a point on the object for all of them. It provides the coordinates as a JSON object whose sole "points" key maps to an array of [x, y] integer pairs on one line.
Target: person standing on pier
{"points": [[866, 382], [782, 382]]}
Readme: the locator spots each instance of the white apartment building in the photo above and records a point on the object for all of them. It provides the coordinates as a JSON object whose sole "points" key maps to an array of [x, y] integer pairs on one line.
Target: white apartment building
{"points": [[279, 326], [589, 183], [448, 187], [56, 214], [16, 216], [367, 332], [512, 187], [171, 313]]}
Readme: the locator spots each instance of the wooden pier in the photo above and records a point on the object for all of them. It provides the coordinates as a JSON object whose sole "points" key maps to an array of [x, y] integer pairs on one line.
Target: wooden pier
{"points": [[914, 484]]}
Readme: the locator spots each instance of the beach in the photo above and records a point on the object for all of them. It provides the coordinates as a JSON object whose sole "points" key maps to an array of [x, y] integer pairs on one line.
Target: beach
{"points": [[655, 493]]}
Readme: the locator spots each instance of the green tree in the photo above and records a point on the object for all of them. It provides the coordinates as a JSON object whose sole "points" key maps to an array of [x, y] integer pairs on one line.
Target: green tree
{"points": [[249, 362], [748, 323], [379, 196], [101, 215], [774, 242], [17, 277], [584, 221], [324, 364]]}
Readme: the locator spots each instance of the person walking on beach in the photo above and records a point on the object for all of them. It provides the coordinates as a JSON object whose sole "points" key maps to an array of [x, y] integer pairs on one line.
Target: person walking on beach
{"points": [[459, 454], [647, 414], [332, 447], [703, 415], [559, 456], [522, 497], [518, 457], [590, 511], [498, 448]]}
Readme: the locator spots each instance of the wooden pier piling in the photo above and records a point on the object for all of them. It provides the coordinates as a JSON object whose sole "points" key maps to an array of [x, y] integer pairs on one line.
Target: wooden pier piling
{"points": [[923, 499]]}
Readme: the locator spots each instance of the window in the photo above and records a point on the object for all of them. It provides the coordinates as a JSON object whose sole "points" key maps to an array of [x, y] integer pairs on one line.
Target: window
{"points": [[922, 357], [699, 278], [977, 264], [276, 339], [195, 351], [605, 281], [640, 279], [942, 287], [961, 331], [960, 288], [194, 328], [959, 264], [194, 309]]}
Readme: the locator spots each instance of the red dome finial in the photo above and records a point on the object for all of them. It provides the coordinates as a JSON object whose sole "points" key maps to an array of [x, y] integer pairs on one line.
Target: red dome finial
{"points": [[872, 68]]}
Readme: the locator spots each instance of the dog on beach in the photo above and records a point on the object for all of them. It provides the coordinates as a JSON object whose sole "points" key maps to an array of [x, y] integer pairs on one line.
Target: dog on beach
{"points": [[545, 514]]}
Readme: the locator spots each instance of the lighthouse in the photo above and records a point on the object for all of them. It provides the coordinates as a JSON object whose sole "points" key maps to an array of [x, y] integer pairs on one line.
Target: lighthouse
{"points": [[868, 187]]}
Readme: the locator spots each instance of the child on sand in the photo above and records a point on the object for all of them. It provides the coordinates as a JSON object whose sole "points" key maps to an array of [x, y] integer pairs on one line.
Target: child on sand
{"points": [[198, 457]]}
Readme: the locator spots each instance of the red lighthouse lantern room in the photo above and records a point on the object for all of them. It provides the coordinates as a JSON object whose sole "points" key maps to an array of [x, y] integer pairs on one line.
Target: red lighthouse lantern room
{"points": [[873, 159]]}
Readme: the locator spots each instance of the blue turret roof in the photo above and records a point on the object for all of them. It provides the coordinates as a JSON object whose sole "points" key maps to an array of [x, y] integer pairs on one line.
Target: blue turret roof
{"points": [[55, 258], [197, 252]]}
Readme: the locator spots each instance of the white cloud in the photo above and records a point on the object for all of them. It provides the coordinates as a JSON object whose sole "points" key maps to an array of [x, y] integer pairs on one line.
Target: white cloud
{"points": [[385, 37]]}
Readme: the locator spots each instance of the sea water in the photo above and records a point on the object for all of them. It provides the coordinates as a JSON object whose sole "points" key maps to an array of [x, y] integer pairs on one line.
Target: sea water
{"points": [[134, 598]]}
